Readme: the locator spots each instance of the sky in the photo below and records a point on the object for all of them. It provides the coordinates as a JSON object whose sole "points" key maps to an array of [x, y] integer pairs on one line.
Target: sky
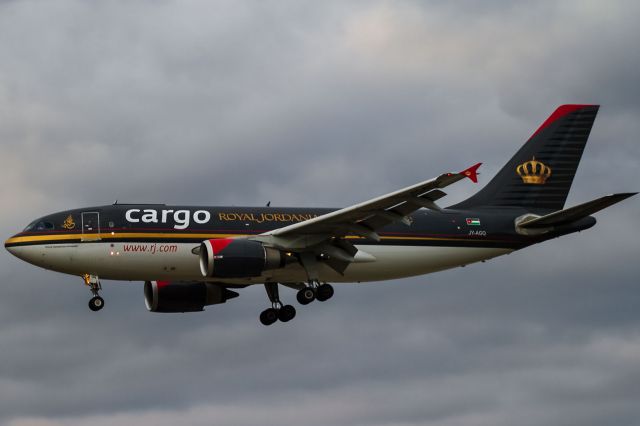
{"points": [[307, 103]]}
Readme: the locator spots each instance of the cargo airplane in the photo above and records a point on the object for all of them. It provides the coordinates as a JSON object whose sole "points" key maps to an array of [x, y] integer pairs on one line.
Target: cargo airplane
{"points": [[192, 257]]}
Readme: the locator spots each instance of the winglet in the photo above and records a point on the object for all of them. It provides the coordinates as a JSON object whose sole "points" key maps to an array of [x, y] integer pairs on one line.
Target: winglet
{"points": [[471, 172]]}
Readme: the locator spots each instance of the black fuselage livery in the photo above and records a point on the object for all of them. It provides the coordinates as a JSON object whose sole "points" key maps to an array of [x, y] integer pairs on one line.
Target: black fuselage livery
{"points": [[130, 223]]}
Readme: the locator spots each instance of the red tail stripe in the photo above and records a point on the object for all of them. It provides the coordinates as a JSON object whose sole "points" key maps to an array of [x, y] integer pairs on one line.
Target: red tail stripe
{"points": [[560, 112]]}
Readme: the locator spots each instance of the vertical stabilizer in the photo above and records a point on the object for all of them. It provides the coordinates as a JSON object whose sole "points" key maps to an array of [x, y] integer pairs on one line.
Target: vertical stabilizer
{"points": [[540, 175]]}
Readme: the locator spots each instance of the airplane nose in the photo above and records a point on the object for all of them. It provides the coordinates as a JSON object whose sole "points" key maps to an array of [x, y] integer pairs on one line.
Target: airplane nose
{"points": [[23, 252], [8, 247], [11, 247]]}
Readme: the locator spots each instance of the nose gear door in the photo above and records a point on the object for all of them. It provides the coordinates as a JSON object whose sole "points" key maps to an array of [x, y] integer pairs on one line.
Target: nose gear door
{"points": [[90, 226]]}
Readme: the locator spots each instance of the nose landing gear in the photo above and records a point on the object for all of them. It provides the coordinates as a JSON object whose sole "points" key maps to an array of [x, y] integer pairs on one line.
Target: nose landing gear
{"points": [[93, 282], [96, 303]]}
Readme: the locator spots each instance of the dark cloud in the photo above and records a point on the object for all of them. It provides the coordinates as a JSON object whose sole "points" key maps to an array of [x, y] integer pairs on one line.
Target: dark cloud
{"points": [[317, 103]]}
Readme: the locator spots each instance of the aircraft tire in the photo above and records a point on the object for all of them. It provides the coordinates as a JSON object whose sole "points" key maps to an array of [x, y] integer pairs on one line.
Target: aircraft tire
{"points": [[286, 313], [96, 303], [268, 316], [324, 292], [306, 296]]}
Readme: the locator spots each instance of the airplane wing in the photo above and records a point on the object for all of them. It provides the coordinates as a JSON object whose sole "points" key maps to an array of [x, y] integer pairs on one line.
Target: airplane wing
{"points": [[364, 219]]}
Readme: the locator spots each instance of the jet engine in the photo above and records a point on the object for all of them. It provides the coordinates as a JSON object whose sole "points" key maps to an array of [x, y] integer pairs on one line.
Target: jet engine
{"points": [[237, 258], [165, 296]]}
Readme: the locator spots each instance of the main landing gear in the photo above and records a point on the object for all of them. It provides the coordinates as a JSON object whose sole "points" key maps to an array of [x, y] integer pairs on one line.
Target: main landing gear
{"points": [[315, 291], [284, 313], [277, 311], [93, 282], [312, 290]]}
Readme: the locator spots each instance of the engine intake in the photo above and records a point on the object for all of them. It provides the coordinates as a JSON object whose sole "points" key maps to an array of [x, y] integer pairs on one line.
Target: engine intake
{"points": [[237, 258], [165, 296]]}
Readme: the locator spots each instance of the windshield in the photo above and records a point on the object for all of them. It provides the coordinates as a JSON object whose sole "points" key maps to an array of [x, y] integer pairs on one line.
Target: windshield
{"points": [[39, 225]]}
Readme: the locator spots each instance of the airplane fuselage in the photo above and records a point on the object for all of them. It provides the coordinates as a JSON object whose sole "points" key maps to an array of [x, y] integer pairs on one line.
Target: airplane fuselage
{"points": [[158, 242]]}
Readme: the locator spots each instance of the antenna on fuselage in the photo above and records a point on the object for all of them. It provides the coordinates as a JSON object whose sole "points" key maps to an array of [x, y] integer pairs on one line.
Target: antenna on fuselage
{"points": [[268, 203]]}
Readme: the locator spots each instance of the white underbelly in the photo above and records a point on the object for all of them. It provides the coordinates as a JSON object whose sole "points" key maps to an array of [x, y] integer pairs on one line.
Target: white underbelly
{"points": [[176, 261], [117, 261], [406, 261], [394, 262]]}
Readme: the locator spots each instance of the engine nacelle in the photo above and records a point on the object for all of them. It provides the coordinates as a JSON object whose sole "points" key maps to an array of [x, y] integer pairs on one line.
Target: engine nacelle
{"points": [[166, 296], [231, 258]]}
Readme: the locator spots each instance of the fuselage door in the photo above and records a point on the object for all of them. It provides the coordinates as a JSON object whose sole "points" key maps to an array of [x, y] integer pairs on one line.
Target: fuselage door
{"points": [[90, 226]]}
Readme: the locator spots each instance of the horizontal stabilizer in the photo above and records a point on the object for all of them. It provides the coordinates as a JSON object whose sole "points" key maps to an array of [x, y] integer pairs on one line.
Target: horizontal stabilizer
{"points": [[578, 212]]}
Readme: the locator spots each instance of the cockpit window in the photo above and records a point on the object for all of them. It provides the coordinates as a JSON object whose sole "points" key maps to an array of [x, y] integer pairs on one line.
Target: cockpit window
{"points": [[44, 226], [30, 226], [39, 226]]}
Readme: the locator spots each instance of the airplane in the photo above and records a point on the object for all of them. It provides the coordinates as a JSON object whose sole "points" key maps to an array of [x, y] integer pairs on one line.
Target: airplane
{"points": [[190, 257]]}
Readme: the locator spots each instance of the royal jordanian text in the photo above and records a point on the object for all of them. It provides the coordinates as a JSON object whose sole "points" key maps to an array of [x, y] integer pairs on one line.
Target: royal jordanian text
{"points": [[183, 218], [265, 217]]}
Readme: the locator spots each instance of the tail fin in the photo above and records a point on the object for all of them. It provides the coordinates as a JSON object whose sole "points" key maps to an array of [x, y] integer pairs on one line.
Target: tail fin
{"points": [[539, 176]]}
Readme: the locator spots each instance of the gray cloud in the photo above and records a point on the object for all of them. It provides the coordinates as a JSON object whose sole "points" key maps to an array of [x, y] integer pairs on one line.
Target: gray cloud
{"points": [[317, 103]]}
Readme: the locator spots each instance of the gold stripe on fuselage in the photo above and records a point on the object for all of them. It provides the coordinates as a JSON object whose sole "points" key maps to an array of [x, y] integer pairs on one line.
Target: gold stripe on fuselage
{"points": [[171, 235], [110, 235]]}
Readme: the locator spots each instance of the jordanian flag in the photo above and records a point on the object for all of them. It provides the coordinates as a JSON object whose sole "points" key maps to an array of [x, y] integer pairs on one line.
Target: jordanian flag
{"points": [[473, 221]]}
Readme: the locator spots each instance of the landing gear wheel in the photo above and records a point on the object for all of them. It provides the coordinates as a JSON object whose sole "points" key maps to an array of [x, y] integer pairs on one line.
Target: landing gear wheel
{"points": [[306, 296], [286, 313], [93, 282], [96, 303], [324, 292], [269, 316]]}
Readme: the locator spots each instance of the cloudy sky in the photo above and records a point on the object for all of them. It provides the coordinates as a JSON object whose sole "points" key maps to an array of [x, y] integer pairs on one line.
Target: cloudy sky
{"points": [[318, 104]]}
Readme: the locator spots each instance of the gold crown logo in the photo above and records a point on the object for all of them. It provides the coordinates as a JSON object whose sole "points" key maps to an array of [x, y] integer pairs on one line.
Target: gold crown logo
{"points": [[534, 172], [69, 223]]}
